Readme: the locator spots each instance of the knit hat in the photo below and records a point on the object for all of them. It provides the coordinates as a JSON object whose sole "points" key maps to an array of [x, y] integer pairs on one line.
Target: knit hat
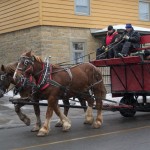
{"points": [[110, 27], [128, 25]]}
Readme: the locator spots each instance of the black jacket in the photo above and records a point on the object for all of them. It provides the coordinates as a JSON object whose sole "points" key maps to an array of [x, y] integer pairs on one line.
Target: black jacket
{"points": [[134, 38]]}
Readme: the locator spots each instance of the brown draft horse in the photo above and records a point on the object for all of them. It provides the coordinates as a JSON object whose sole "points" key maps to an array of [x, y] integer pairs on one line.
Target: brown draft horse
{"points": [[6, 78], [82, 79]]}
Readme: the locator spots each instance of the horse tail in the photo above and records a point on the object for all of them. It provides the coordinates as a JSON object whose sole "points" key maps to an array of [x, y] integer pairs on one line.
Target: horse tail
{"points": [[99, 88]]}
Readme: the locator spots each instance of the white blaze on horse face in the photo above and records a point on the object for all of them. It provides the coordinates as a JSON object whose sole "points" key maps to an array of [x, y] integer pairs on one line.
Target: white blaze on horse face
{"points": [[15, 73]]}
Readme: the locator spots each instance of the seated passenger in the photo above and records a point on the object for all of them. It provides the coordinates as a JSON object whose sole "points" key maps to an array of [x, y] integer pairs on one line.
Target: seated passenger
{"points": [[110, 39], [131, 41]]}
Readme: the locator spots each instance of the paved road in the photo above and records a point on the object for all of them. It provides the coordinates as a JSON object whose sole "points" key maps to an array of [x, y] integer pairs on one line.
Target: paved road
{"points": [[116, 133]]}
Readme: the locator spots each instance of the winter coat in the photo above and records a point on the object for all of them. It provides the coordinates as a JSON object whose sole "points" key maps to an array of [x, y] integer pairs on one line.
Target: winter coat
{"points": [[134, 38]]}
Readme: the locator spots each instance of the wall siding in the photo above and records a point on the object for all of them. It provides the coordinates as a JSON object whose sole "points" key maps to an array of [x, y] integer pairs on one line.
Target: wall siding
{"points": [[103, 12], [18, 14], [21, 14]]}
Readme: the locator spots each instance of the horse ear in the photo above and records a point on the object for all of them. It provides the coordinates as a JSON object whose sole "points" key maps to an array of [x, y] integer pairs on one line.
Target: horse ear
{"points": [[2, 67], [29, 53]]}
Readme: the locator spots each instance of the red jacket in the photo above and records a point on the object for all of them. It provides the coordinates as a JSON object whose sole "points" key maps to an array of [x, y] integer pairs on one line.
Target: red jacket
{"points": [[109, 38]]}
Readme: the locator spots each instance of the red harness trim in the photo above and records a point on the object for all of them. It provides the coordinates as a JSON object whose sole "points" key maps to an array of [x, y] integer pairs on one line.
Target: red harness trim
{"points": [[40, 78]]}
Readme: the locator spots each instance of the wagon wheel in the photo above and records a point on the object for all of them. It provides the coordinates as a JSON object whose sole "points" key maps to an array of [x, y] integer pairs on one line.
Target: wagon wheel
{"points": [[128, 100]]}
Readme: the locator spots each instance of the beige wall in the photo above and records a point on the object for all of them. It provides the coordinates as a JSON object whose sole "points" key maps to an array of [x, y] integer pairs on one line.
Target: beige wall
{"points": [[45, 41]]}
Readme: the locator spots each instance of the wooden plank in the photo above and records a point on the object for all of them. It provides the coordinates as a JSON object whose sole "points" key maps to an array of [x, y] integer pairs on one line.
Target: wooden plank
{"points": [[58, 2], [102, 16], [96, 25], [18, 23], [98, 12], [123, 2], [60, 6], [53, 10], [7, 2], [31, 8], [14, 28], [16, 7], [68, 24], [79, 19], [5, 18], [115, 8]]}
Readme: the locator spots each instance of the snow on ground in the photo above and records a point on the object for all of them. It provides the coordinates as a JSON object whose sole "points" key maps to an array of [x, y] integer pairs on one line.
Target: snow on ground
{"points": [[108, 96]]}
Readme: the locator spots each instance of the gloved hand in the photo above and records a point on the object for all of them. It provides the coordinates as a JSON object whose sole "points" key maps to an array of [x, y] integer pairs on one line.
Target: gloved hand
{"points": [[103, 47], [106, 49], [117, 39], [126, 37]]}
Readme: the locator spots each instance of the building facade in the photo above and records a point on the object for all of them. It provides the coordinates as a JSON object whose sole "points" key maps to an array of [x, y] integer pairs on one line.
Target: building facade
{"points": [[62, 28]]}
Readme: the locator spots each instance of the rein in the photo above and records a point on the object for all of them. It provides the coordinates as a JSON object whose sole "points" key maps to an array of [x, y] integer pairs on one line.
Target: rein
{"points": [[110, 48]]}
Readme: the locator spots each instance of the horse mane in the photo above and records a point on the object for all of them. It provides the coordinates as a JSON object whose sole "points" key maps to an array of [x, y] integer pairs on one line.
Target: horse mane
{"points": [[37, 58], [11, 67]]}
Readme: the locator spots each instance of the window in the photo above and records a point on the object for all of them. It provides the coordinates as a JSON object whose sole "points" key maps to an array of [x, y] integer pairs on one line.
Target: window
{"points": [[78, 52], [82, 7], [144, 10]]}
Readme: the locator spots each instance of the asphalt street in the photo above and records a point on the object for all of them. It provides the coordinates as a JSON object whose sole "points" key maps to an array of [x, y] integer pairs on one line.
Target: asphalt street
{"points": [[116, 132]]}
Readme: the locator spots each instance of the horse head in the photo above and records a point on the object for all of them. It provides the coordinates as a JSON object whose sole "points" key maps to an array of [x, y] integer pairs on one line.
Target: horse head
{"points": [[25, 66], [5, 80]]}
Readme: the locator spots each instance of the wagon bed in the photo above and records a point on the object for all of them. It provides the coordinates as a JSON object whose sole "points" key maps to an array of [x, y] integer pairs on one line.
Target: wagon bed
{"points": [[130, 78]]}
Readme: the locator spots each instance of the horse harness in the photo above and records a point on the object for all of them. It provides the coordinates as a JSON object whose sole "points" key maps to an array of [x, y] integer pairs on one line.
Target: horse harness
{"points": [[45, 79]]}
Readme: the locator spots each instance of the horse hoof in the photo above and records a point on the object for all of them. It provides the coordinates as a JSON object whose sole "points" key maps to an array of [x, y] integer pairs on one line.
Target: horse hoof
{"points": [[97, 124], [42, 134], [59, 124], [66, 126], [90, 122], [27, 121], [35, 129]]}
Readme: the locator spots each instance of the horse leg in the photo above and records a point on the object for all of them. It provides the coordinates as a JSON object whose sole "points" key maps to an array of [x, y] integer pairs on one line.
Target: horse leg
{"points": [[37, 126], [100, 93], [66, 109], [99, 119], [89, 112], [22, 116], [83, 103], [46, 126], [66, 123]]}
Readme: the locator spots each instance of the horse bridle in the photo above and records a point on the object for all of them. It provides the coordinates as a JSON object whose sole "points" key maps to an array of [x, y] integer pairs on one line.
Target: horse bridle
{"points": [[2, 78], [27, 64]]}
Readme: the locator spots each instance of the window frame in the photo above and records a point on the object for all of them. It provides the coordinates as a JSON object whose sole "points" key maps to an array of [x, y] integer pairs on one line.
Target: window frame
{"points": [[83, 13], [72, 51], [144, 1]]}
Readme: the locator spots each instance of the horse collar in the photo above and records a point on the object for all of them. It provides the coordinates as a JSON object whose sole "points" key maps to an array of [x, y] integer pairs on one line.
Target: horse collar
{"points": [[43, 81]]}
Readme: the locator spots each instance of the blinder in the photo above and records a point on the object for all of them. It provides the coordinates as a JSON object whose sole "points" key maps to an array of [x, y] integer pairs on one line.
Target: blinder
{"points": [[3, 76], [26, 62]]}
